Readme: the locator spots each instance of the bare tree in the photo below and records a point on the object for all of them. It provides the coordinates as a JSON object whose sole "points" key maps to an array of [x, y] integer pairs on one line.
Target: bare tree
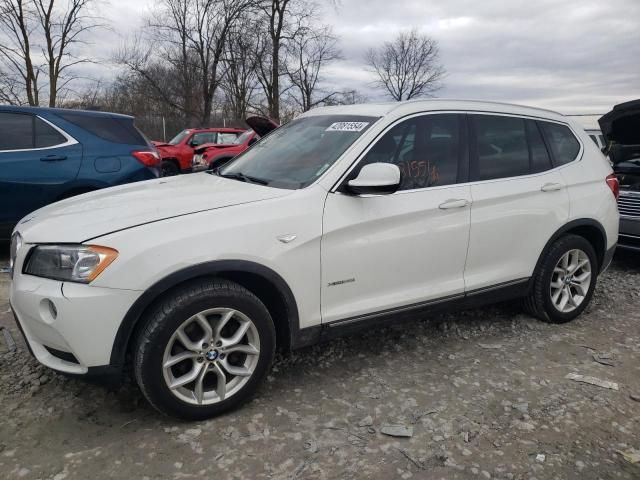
{"points": [[190, 36], [240, 80], [283, 20], [407, 67], [17, 23], [309, 52], [42, 29], [63, 27]]}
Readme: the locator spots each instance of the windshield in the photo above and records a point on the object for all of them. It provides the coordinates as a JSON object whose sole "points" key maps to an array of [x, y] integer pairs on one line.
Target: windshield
{"points": [[296, 154], [179, 137], [243, 138]]}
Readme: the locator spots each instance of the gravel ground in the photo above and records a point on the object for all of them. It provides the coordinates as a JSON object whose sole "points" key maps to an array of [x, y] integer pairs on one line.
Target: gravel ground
{"points": [[483, 394]]}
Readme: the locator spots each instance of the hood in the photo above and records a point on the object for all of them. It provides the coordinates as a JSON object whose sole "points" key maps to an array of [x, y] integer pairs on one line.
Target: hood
{"points": [[622, 124], [261, 125], [94, 214]]}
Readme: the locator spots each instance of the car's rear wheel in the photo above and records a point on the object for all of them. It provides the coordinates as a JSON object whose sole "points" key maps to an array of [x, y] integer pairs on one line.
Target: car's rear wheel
{"points": [[564, 283], [204, 350], [169, 168]]}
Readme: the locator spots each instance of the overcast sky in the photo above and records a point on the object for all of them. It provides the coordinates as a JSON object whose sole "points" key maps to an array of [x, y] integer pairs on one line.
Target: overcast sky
{"points": [[574, 56]]}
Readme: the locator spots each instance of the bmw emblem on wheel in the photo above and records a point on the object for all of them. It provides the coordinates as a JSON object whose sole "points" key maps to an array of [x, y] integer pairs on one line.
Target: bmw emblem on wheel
{"points": [[212, 355]]}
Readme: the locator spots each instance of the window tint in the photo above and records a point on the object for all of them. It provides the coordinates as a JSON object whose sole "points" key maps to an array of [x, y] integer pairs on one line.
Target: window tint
{"points": [[16, 131], [46, 135], [203, 137], [540, 160], [564, 146], [227, 138], [502, 149], [113, 129], [427, 150]]}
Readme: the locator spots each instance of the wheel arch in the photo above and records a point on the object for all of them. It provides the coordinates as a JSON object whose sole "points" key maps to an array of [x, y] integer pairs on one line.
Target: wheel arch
{"points": [[262, 281], [588, 228]]}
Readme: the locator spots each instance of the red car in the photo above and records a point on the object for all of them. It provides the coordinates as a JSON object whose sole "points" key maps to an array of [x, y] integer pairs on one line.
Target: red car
{"points": [[177, 154], [211, 156]]}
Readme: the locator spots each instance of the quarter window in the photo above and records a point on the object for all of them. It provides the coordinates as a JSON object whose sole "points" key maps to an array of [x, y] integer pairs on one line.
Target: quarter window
{"points": [[46, 135], [564, 145], [427, 150]]}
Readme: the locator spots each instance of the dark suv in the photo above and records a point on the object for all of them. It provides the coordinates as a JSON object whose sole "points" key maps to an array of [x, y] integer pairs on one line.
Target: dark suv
{"points": [[50, 154], [621, 129]]}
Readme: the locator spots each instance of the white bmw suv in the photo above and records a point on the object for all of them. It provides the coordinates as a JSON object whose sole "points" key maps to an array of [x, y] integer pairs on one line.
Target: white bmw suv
{"points": [[345, 218]]}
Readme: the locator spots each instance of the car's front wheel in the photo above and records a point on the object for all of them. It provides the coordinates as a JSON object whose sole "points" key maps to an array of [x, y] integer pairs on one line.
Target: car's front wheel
{"points": [[204, 350], [564, 283]]}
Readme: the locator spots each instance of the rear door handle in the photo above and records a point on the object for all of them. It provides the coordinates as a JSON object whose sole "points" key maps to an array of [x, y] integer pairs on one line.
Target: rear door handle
{"points": [[454, 203], [53, 158], [551, 187]]}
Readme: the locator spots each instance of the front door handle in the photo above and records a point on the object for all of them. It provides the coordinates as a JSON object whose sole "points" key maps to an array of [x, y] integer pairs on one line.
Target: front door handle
{"points": [[53, 158], [551, 187], [454, 203]]}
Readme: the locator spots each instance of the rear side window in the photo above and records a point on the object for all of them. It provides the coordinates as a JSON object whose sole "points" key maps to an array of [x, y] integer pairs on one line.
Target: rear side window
{"points": [[501, 147], [540, 159], [16, 131], [564, 145], [113, 129], [19, 131], [46, 135]]}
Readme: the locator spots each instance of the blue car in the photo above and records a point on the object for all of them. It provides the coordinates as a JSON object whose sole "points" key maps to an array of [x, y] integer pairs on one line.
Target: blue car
{"points": [[48, 154]]}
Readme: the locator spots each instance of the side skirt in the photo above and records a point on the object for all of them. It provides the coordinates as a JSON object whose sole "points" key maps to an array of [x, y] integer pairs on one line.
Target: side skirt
{"points": [[472, 299]]}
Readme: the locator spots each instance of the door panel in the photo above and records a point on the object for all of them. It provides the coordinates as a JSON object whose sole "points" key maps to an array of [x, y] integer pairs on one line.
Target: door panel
{"points": [[511, 221], [511, 218], [388, 251], [382, 252]]}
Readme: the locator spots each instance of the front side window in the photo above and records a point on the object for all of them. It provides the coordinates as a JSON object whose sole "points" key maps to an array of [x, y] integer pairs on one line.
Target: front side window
{"points": [[427, 150], [16, 131], [296, 154], [563, 143]]}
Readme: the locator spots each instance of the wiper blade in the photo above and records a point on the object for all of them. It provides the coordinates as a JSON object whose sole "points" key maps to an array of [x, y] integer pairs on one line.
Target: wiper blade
{"points": [[243, 178]]}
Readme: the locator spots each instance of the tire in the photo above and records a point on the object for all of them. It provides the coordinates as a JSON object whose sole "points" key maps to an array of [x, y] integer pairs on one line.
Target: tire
{"points": [[540, 302], [160, 343], [169, 168]]}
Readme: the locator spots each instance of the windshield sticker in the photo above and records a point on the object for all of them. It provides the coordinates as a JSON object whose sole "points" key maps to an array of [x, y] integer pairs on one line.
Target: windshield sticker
{"points": [[347, 126]]}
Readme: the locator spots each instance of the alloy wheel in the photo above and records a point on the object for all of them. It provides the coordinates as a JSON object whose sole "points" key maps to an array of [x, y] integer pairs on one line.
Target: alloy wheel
{"points": [[570, 280], [211, 356]]}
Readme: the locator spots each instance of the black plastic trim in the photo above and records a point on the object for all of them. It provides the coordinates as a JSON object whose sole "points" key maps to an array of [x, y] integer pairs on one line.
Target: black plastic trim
{"points": [[496, 293], [66, 356], [212, 268], [15, 317], [582, 222]]}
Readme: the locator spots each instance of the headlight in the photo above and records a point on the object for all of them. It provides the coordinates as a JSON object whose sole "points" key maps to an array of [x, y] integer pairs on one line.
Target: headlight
{"points": [[16, 244], [69, 263]]}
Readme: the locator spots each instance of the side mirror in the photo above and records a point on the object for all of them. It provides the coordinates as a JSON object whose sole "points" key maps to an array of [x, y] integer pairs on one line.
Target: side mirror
{"points": [[376, 179]]}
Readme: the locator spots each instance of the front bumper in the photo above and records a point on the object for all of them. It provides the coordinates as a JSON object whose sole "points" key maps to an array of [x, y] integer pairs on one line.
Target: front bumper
{"points": [[69, 327]]}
